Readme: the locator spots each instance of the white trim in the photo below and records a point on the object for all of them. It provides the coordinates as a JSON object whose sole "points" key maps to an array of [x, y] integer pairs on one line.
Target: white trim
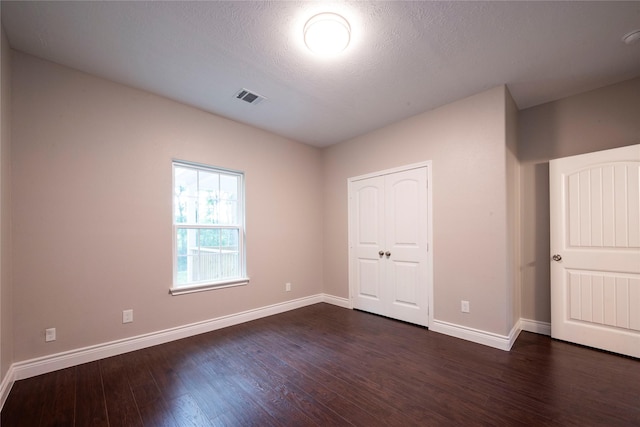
{"points": [[339, 301], [514, 334], [502, 342], [392, 170], [189, 289], [430, 244], [53, 362], [535, 326], [5, 386]]}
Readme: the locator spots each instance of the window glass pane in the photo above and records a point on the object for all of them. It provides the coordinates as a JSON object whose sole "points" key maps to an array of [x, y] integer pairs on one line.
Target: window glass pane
{"points": [[210, 238], [187, 249], [228, 212], [229, 239], [228, 199], [229, 187], [207, 254], [185, 195], [182, 270], [229, 253], [208, 197], [208, 265], [181, 241]]}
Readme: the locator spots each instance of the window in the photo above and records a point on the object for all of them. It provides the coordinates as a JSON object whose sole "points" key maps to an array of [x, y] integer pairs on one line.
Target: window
{"points": [[208, 228]]}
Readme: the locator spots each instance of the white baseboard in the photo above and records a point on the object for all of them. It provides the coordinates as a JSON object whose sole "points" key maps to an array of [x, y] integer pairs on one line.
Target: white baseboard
{"points": [[535, 326], [53, 362], [339, 301], [513, 334], [5, 386], [502, 342]]}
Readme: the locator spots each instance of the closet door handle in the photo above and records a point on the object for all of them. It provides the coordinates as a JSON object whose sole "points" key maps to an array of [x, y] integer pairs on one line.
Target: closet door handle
{"points": [[388, 254], [381, 253]]}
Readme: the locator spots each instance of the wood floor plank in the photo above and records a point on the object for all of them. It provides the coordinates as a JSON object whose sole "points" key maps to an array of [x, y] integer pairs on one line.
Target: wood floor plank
{"points": [[91, 409], [186, 412], [414, 396], [218, 401], [324, 365], [315, 389], [165, 372], [26, 401], [143, 385], [60, 405], [121, 405], [156, 413], [250, 393], [387, 380], [239, 355], [327, 372], [206, 395]]}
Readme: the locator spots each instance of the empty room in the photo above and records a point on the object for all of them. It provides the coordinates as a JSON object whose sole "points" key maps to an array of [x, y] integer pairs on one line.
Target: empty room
{"points": [[233, 213]]}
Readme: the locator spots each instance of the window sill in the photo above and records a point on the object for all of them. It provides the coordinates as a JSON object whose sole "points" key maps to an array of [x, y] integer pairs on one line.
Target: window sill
{"points": [[208, 286]]}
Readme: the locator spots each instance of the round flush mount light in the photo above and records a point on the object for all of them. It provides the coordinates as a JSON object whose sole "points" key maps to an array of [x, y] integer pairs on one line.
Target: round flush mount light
{"points": [[632, 37], [327, 34]]}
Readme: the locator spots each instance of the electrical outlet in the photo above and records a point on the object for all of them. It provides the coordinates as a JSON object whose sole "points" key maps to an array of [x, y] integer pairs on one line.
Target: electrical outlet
{"points": [[127, 316], [464, 306], [287, 287], [50, 334]]}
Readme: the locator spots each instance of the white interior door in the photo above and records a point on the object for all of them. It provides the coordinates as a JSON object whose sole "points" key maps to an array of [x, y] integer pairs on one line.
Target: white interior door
{"points": [[366, 211], [406, 246], [595, 247], [389, 245]]}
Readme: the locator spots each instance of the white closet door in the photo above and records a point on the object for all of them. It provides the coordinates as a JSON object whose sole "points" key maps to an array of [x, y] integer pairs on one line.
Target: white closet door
{"points": [[406, 241], [389, 245], [367, 229], [595, 247]]}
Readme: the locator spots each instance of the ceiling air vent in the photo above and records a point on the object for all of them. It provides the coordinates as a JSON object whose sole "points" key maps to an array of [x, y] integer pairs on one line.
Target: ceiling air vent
{"points": [[251, 97]]}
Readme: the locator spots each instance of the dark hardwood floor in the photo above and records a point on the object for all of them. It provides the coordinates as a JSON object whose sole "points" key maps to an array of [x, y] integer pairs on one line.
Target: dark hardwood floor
{"points": [[328, 366]]}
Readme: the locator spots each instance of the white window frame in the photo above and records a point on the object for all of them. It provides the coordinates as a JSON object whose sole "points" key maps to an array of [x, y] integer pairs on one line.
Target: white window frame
{"points": [[206, 285]]}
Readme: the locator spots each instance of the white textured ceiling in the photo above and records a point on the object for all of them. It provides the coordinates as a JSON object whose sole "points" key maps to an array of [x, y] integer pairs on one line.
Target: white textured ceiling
{"points": [[405, 57]]}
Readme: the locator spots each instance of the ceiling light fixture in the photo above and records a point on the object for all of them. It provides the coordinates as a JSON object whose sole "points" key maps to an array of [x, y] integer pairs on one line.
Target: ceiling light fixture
{"points": [[327, 33], [631, 37]]}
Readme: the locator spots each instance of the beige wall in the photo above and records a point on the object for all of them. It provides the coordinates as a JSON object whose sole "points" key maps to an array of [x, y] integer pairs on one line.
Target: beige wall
{"points": [[6, 309], [466, 142], [92, 209], [597, 120]]}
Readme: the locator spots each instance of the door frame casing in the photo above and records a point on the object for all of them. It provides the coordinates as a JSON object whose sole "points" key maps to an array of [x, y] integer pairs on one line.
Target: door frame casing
{"points": [[429, 166]]}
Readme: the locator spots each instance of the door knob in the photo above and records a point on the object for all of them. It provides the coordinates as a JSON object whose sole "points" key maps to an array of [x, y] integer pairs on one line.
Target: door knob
{"points": [[388, 254], [380, 253], [556, 257]]}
